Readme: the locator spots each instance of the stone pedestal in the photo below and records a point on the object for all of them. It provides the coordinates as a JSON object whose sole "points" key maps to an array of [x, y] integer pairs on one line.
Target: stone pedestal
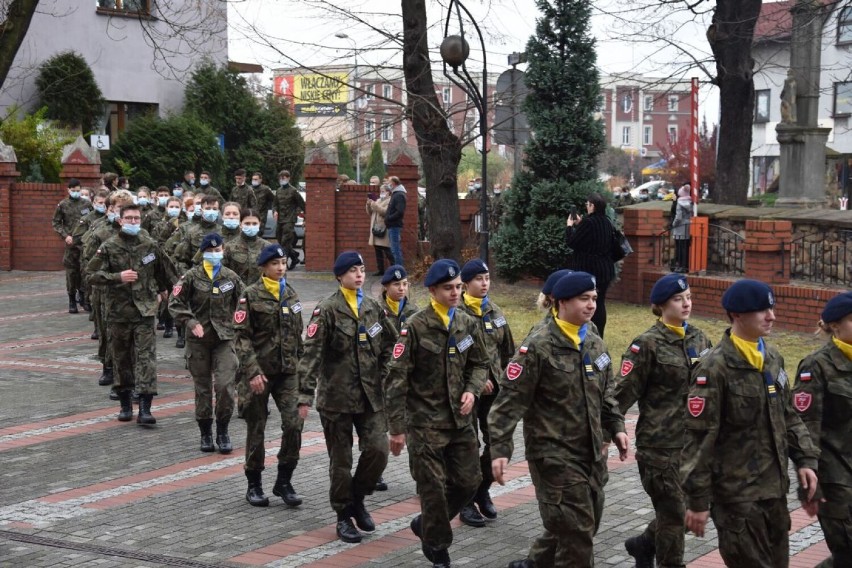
{"points": [[802, 165]]}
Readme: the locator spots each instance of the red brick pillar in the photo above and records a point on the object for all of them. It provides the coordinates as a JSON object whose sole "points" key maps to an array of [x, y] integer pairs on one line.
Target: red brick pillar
{"points": [[641, 227], [320, 209], [8, 174], [81, 161], [767, 250], [405, 168]]}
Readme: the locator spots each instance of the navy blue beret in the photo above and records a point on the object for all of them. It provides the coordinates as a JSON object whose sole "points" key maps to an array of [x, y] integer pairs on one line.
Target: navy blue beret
{"points": [[441, 271], [270, 252], [551, 281], [837, 308], [668, 286], [746, 296], [471, 268], [574, 284], [347, 260], [210, 240], [394, 273]]}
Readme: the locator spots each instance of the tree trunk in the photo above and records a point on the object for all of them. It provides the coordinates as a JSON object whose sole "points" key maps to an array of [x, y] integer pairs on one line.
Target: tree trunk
{"points": [[730, 38], [440, 149], [12, 33]]}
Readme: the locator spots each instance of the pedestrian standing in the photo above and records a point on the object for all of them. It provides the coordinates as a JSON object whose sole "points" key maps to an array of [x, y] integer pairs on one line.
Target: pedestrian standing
{"points": [[822, 395], [376, 208], [348, 343], [242, 193], [681, 222], [395, 217], [268, 322], [286, 206], [439, 367], [740, 430], [67, 215]]}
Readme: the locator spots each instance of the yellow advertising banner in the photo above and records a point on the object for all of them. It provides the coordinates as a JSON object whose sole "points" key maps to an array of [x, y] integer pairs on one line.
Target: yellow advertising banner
{"points": [[325, 94]]}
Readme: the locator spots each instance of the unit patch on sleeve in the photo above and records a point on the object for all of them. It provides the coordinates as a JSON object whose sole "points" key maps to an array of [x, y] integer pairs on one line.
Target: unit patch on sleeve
{"points": [[695, 405], [626, 367], [312, 330], [802, 401], [514, 370]]}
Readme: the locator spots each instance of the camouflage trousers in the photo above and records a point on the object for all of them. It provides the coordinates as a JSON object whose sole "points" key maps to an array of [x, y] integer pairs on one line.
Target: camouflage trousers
{"points": [[445, 466], [660, 474], [373, 444], [284, 390], [570, 502], [835, 518], [134, 355], [480, 422], [98, 301], [213, 365], [753, 534], [285, 234], [71, 262]]}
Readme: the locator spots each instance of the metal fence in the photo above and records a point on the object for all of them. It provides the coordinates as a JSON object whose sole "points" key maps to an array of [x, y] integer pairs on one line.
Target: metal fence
{"points": [[823, 257], [724, 250]]}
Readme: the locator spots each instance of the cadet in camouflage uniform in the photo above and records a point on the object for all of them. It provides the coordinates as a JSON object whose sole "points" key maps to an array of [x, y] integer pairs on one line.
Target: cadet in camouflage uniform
{"points": [[65, 219], [349, 341], [439, 367], [185, 251], [500, 347], [85, 226], [203, 302], [286, 206], [204, 186], [134, 269], [230, 221], [188, 184], [242, 252], [395, 300], [560, 383], [740, 427], [655, 372], [242, 193], [823, 397], [162, 232], [264, 196], [269, 344]]}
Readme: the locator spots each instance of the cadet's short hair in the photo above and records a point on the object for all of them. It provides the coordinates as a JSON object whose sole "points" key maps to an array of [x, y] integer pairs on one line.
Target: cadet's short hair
{"points": [[120, 197], [174, 199], [143, 188], [231, 204], [129, 207], [258, 174], [187, 172], [163, 189], [284, 173], [122, 180], [74, 182], [110, 177], [209, 200], [101, 193], [240, 172], [205, 173]]}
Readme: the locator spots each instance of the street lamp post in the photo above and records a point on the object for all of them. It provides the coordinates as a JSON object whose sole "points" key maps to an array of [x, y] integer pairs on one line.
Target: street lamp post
{"points": [[454, 52], [357, 135]]}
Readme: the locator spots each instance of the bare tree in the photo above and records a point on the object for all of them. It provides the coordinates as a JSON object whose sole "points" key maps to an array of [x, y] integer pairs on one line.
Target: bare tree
{"points": [[18, 15]]}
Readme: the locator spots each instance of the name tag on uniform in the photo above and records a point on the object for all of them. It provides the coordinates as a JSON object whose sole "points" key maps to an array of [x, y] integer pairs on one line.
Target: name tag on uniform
{"points": [[705, 352], [297, 307], [374, 329], [465, 343], [148, 259], [226, 287], [783, 381], [602, 361], [500, 322]]}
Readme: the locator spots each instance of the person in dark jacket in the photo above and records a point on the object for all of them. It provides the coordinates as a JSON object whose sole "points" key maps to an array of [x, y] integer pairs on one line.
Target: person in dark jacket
{"points": [[394, 217], [590, 238]]}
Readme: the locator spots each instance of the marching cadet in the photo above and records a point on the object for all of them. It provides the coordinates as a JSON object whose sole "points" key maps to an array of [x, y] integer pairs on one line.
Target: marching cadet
{"points": [[65, 219], [560, 383], [500, 346], [162, 231], [439, 367], [188, 185], [822, 395], [87, 223], [395, 296], [230, 221], [264, 196], [203, 303], [655, 371], [204, 185], [242, 252], [348, 343], [268, 323], [740, 429], [286, 206], [135, 270], [241, 193], [191, 240]]}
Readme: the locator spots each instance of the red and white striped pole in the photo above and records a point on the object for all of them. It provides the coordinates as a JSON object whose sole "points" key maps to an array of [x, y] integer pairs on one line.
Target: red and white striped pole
{"points": [[693, 154]]}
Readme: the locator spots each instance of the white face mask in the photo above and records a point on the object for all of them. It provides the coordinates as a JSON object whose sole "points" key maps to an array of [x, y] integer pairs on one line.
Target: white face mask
{"points": [[255, 184]]}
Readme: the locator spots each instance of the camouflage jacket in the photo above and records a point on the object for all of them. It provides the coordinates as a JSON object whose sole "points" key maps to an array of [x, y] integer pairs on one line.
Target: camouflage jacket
{"points": [[264, 197], [198, 299], [432, 367], [287, 203], [563, 394], [822, 395], [67, 215], [241, 256], [346, 356], [100, 232], [179, 234], [269, 332], [128, 302], [244, 195], [212, 191], [151, 215], [740, 428], [409, 308], [164, 229], [655, 371], [85, 225], [228, 235], [498, 338], [184, 255]]}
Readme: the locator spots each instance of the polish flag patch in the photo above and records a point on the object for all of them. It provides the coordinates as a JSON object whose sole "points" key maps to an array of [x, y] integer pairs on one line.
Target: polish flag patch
{"points": [[239, 316], [701, 381], [403, 332], [398, 350], [312, 329], [523, 349], [695, 405], [316, 311], [802, 401], [626, 367], [635, 348], [805, 376], [514, 370]]}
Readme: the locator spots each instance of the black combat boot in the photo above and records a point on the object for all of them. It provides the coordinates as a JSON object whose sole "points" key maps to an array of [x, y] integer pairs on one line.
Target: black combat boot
{"points": [[83, 301], [441, 558], [254, 495], [145, 417], [362, 517], [134, 396], [485, 504], [168, 332], [126, 412], [346, 531], [181, 340], [381, 484], [160, 325], [223, 440], [106, 378], [471, 517], [417, 528], [642, 549], [206, 427], [283, 487], [72, 303], [95, 335]]}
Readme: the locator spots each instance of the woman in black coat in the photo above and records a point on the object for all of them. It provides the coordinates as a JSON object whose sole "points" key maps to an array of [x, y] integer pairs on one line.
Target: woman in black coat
{"points": [[590, 238]]}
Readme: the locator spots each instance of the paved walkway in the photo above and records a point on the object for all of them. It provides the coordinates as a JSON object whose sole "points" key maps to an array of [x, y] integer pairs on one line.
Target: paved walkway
{"points": [[78, 488]]}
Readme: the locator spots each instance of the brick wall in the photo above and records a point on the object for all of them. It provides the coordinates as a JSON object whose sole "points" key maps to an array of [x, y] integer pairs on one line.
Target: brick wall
{"points": [[35, 245], [468, 209]]}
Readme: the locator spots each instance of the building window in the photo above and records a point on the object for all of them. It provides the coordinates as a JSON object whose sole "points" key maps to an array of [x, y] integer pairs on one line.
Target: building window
{"points": [[133, 7], [369, 130], [121, 114], [625, 136], [387, 91], [447, 95], [387, 130], [647, 136], [371, 92], [672, 134], [761, 105], [674, 100], [844, 26], [648, 104], [627, 103], [843, 99]]}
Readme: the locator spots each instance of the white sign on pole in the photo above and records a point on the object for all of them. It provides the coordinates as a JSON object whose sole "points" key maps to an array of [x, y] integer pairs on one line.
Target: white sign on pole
{"points": [[99, 141]]}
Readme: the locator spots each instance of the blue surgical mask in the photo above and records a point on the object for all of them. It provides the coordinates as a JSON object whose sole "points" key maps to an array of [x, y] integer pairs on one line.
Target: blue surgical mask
{"points": [[75, 195], [143, 201], [111, 216], [231, 223], [251, 230], [100, 208], [204, 182], [86, 197], [191, 181], [197, 212], [213, 257], [284, 181], [131, 228], [161, 201], [177, 192], [173, 211], [210, 215], [255, 184]]}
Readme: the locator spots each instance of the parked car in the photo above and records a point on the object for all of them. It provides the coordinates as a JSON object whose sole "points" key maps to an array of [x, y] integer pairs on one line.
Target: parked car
{"points": [[651, 186]]}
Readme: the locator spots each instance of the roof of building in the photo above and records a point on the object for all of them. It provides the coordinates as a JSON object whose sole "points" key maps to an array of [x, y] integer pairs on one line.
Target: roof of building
{"points": [[775, 21]]}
